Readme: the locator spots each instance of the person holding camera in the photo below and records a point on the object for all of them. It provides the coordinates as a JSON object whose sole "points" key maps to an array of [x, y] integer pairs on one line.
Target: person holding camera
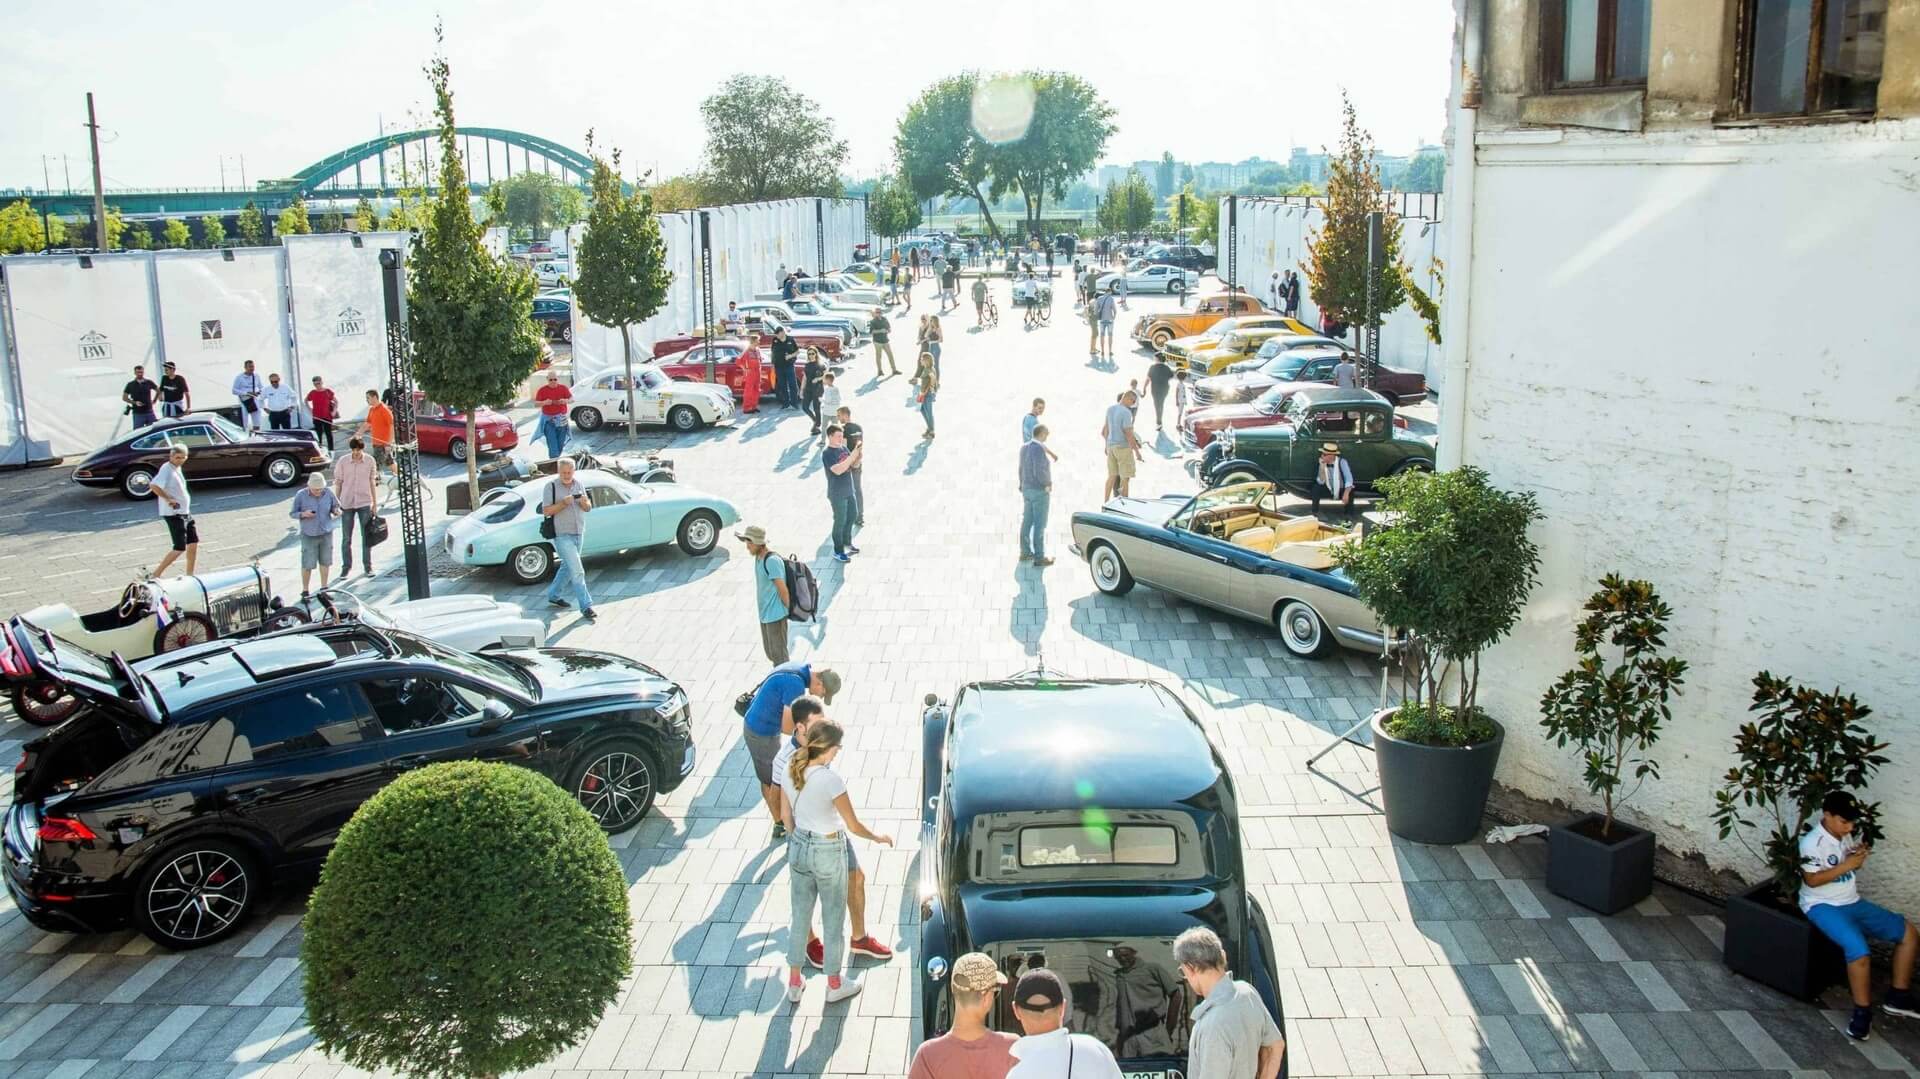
{"points": [[1831, 857], [566, 505]]}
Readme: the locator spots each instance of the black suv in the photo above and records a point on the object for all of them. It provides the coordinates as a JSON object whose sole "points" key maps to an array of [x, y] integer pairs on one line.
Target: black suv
{"points": [[196, 778]]}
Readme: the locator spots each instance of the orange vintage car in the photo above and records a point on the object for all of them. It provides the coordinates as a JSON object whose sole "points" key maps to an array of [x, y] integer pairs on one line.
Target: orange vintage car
{"points": [[1156, 330]]}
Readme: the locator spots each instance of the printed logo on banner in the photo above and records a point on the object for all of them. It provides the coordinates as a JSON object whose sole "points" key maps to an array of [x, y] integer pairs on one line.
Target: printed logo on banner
{"points": [[210, 333], [95, 346], [350, 323]]}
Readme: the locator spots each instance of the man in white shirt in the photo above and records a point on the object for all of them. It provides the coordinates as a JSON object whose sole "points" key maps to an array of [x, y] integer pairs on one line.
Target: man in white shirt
{"points": [[1050, 1051], [246, 389], [1278, 291], [1333, 478], [1831, 856], [279, 402], [169, 489]]}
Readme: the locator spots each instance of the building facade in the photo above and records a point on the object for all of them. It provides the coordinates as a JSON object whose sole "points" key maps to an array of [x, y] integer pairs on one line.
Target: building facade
{"points": [[1681, 261]]}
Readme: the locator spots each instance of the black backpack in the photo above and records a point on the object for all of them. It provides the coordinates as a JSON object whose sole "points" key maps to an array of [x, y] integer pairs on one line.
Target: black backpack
{"points": [[803, 591]]}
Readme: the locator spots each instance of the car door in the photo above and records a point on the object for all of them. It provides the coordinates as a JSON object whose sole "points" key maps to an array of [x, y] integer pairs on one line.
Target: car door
{"points": [[1320, 370], [430, 717], [1369, 448], [649, 396], [1199, 566], [209, 455], [432, 426], [615, 522]]}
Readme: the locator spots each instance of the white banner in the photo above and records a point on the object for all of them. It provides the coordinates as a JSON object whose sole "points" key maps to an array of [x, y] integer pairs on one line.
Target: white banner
{"points": [[78, 335], [340, 314], [216, 313]]}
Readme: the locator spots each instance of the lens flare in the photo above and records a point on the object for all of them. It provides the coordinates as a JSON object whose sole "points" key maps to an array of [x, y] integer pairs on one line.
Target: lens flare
{"points": [[1003, 108]]}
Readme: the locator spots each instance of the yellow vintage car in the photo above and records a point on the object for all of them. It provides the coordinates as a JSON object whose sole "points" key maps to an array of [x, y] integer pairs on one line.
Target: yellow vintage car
{"points": [[1180, 349], [1231, 348]]}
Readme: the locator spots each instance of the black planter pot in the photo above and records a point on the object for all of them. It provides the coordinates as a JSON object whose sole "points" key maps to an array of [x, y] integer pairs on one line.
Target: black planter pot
{"points": [[1775, 945], [1604, 875], [1434, 794]]}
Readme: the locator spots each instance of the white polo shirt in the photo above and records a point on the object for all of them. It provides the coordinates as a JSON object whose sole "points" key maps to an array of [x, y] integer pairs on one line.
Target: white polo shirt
{"points": [[1046, 1056], [1822, 850]]}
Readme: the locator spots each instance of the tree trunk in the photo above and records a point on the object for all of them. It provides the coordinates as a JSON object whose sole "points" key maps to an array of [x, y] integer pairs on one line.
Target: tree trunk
{"points": [[986, 211], [473, 467], [626, 354]]}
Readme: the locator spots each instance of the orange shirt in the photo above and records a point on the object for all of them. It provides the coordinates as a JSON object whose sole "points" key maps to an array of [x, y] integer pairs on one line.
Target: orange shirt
{"points": [[380, 424]]}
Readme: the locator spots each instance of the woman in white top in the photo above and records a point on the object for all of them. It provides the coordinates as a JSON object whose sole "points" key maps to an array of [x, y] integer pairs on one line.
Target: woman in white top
{"points": [[816, 807]]}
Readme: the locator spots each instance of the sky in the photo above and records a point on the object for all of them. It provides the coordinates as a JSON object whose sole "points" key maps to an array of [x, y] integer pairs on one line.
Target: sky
{"points": [[186, 87]]}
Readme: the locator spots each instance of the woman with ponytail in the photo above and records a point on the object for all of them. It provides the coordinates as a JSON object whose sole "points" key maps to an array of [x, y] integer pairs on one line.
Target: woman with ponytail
{"points": [[817, 808]]}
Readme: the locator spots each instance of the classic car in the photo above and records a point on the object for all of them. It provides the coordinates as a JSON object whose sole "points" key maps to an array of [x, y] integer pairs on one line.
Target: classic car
{"points": [[844, 290], [625, 516], [856, 316], [1153, 277], [555, 316], [217, 450], [1374, 441], [1158, 329], [443, 430], [1081, 825], [728, 371], [1231, 548], [1181, 351], [828, 341], [1284, 342], [469, 622], [764, 315], [513, 469], [1298, 364], [866, 273], [1183, 255], [553, 272], [197, 779], [657, 398]]}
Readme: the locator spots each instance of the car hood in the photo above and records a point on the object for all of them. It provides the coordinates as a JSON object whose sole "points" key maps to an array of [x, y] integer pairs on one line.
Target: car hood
{"points": [[568, 674], [1151, 510], [434, 616], [1215, 415], [1239, 380]]}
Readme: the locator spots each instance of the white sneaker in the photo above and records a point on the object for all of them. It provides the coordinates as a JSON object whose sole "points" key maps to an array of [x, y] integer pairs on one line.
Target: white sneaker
{"points": [[849, 987], [793, 991]]}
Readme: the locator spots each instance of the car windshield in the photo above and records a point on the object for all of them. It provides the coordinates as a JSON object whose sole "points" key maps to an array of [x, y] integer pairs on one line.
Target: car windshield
{"points": [[232, 432], [493, 671], [1248, 495], [1273, 402], [1284, 367]]}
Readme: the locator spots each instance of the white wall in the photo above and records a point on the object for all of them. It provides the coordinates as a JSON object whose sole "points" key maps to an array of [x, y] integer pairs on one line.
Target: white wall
{"points": [[1702, 351]]}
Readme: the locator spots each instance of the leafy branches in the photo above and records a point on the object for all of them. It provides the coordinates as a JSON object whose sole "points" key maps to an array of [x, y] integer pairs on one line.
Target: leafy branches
{"points": [[766, 140], [1336, 265], [623, 276]]}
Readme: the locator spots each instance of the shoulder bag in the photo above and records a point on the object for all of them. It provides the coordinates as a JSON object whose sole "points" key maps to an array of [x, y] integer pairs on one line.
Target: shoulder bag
{"points": [[548, 530], [376, 525]]}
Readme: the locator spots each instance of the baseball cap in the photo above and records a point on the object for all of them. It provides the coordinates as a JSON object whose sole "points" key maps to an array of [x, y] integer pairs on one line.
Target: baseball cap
{"points": [[752, 534], [829, 683], [975, 972], [1039, 990], [1841, 804]]}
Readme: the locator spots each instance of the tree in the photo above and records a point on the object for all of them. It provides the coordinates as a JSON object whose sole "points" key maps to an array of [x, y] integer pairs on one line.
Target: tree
{"points": [[892, 209], [1336, 263], [765, 141], [940, 149], [1067, 135], [364, 219], [469, 314], [1128, 206], [175, 234], [21, 229], [332, 221], [1163, 177], [293, 221], [213, 231], [1427, 172], [675, 193], [422, 950], [407, 214], [138, 236], [251, 224], [622, 276], [116, 225], [539, 202]]}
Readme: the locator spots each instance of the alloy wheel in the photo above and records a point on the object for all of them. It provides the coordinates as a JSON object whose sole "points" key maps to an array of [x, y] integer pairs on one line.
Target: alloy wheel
{"points": [[198, 895], [616, 789]]}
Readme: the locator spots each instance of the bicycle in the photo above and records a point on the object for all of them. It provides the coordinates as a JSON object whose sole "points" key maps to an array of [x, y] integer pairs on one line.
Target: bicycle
{"points": [[990, 314]]}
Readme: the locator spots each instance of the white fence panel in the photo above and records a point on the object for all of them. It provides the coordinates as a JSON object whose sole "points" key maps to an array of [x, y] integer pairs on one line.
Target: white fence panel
{"points": [[216, 314], [340, 313], [13, 416], [78, 333]]}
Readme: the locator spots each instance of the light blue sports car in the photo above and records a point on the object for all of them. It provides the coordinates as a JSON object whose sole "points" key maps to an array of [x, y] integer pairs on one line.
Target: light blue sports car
{"points": [[505, 530]]}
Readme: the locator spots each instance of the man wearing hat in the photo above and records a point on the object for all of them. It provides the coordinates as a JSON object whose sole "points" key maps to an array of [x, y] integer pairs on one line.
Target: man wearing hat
{"points": [[969, 1049], [1333, 478], [175, 400], [1831, 857], [1050, 1051], [769, 717], [770, 591]]}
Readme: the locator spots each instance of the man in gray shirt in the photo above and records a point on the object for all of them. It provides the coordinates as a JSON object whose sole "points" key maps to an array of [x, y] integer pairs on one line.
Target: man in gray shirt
{"points": [[1344, 373], [1233, 1035], [318, 511], [1036, 488], [564, 498], [1123, 448]]}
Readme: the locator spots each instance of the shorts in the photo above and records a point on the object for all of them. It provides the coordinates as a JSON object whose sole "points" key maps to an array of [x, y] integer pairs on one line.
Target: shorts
{"points": [[1106, 326], [1851, 924], [382, 455], [180, 526], [1120, 462], [316, 550], [762, 748]]}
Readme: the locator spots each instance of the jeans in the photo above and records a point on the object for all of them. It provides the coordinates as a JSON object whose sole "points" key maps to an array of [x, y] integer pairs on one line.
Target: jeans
{"points": [[843, 511], [785, 387], [323, 430], [349, 517], [811, 406], [1033, 521], [143, 417], [926, 408], [817, 868], [933, 347], [567, 570], [859, 498], [554, 430]]}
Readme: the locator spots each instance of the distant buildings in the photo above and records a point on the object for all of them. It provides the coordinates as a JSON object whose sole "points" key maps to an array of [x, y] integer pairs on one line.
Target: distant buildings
{"points": [[1419, 171]]}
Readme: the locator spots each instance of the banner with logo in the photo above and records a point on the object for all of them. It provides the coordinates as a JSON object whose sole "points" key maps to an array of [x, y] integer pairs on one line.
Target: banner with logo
{"points": [[78, 333], [218, 312], [339, 320]]}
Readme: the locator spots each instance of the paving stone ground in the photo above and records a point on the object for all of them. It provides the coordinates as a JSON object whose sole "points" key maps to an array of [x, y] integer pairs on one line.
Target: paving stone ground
{"points": [[1395, 959]]}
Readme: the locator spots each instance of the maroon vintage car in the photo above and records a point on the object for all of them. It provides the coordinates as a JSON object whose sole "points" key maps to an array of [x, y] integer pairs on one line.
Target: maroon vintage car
{"points": [[1247, 380], [217, 449], [828, 343], [691, 365]]}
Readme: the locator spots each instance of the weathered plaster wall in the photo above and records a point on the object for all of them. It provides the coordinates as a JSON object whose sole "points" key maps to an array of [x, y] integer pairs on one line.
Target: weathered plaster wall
{"points": [[1702, 350]]}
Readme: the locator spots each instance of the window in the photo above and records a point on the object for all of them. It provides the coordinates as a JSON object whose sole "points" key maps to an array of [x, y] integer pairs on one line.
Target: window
{"points": [[602, 497], [1073, 844], [155, 441], [295, 720], [196, 435], [1588, 43], [417, 704], [1813, 56]]}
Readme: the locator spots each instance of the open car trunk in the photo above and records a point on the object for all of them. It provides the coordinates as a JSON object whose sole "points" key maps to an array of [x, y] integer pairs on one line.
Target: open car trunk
{"points": [[74, 753]]}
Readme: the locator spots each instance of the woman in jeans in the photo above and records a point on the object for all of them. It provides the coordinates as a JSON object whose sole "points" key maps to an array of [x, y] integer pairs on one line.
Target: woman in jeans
{"points": [[818, 814], [927, 377], [931, 341]]}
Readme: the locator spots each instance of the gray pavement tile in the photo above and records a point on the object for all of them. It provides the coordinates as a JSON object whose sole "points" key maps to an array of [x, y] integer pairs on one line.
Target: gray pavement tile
{"points": [[1640, 1032], [1650, 938], [1542, 1046]]}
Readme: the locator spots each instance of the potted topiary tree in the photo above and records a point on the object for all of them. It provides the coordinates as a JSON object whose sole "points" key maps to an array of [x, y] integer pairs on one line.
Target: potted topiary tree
{"points": [[1451, 571], [1806, 744], [1612, 715], [471, 921]]}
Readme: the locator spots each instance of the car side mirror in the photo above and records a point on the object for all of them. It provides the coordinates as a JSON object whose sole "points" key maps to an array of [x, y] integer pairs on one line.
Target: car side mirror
{"points": [[493, 716]]}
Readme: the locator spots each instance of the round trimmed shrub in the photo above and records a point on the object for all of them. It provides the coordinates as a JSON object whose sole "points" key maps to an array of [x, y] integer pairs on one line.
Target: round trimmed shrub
{"points": [[470, 921]]}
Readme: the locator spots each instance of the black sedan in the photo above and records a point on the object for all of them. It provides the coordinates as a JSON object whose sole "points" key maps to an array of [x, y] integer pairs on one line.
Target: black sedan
{"points": [[1081, 825], [217, 449], [196, 779]]}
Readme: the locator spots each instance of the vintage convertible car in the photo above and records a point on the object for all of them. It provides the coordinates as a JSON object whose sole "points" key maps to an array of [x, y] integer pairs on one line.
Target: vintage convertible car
{"points": [[1232, 548], [1181, 350], [658, 397], [512, 469], [506, 531], [468, 622], [1081, 825], [1374, 441]]}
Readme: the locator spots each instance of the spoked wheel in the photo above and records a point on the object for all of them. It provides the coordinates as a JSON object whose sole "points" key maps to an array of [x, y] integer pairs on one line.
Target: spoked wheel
{"points": [[616, 786], [43, 703], [186, 630], [196, 895]]}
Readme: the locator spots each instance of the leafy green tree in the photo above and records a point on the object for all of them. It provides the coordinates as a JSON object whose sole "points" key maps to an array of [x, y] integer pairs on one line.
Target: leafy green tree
{"points": [[116, 225], [622, 276], [137, 236], [364, 219], [538, 202], [1163, 178], [892, 209], [1427, 172], [213, 231], [332, 221], [470, 315], [939, 148], [21, 229], [293, 221], [176, 234], [1128, 206], [251, 223], [407, 214], [1336, 265], [471, 921], [766, 140], [689, 192], [1067, 135]]}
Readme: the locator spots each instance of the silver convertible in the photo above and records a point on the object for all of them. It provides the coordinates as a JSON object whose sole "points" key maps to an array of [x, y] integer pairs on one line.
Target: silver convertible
{"points": [[1231, 548]]}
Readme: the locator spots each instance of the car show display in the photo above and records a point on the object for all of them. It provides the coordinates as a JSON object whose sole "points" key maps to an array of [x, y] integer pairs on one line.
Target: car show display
{"points": [[1158, 329], [658, 398], [1244, 443], [217, 448], [511, 470]]}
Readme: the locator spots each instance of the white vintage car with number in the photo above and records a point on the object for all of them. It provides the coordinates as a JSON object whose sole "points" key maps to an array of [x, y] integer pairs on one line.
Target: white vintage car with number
{"points": [[657, 399]]}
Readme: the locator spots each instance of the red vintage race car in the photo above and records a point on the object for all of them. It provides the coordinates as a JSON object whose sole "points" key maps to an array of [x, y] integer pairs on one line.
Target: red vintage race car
{"points": [[691, 365], [828, 343], [444, 430]]}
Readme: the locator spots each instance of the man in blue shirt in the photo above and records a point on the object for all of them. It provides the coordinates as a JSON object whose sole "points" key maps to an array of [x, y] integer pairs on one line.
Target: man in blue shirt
{"points": [[1032, 419], [770, 716], [770, 592], [1036, 488]]}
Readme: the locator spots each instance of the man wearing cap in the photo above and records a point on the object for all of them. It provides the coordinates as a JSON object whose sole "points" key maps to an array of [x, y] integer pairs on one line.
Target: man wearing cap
{"points": [[1831, 856], [1050, 1051], [804, 709], [175, 399], [770, 591], [969, 1050], [1233, 1035], [770, 716], [1333, 478]]}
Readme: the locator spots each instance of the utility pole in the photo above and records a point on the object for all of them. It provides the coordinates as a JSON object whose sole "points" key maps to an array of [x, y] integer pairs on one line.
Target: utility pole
{"points": [[99, 193], [46, 178]]}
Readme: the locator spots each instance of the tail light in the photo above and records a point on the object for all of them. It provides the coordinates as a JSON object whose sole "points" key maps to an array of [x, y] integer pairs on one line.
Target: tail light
{"points": [[65, 830]]}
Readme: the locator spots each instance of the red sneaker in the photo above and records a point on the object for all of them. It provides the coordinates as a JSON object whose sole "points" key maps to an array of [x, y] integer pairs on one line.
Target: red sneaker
{"points": [[870, 947], [816, 953]]}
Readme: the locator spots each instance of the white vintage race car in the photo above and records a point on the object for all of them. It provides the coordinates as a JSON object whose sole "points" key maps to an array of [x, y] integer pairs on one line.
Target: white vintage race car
{"points": [[657, 399]]}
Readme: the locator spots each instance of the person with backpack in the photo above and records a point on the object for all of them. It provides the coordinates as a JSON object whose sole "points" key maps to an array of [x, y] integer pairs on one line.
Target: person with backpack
{"points": [[770, 591]]}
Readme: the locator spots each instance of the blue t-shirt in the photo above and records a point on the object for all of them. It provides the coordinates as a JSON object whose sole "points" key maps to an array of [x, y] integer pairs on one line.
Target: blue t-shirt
{"points": [[770, 569], [787, 683], [1027, 423], [839, 485]]}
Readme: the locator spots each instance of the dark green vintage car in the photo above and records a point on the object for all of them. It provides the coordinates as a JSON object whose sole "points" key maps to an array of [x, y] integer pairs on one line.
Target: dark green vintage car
{"points": [[1360, 422]]}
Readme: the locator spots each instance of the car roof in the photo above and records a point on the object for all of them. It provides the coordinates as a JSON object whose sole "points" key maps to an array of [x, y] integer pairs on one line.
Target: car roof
{"points": [[1044, 744], [1329, 396], [221, 668]]}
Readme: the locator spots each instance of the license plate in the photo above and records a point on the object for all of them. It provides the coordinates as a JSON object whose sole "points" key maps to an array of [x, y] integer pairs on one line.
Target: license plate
{"points": [[1152, 1075]]}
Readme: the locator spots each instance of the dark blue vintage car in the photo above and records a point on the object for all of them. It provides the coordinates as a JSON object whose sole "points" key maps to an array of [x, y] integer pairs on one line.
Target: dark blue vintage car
{"points": [[1081, 825]]}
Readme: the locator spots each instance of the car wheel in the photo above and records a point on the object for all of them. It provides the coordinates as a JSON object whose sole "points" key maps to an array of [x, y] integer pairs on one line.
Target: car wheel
{"points": [[615, 783], [1302, 631], [1161, 338], [587, 419], [137, 482], [1238, 475], [1109, 570], [1392, 399], [185, 630], [566, 334], [699, 532], [280, 471], [531, 564], [1412, 466], [196, 894], [457, 449], [684, 418], [43, 703], [284, 618]]}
